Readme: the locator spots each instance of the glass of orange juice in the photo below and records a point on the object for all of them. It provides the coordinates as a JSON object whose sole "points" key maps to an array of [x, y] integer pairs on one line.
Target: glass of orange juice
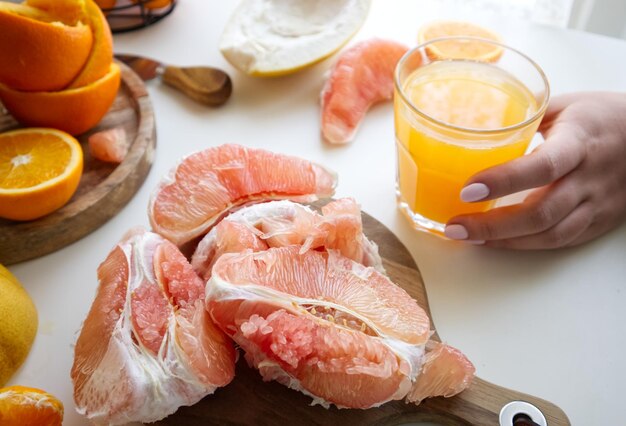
{"points": [[456, 116]]}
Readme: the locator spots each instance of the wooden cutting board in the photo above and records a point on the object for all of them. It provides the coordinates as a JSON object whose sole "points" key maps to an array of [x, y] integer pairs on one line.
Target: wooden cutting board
{"points": [[247, 400], [104, 188]]}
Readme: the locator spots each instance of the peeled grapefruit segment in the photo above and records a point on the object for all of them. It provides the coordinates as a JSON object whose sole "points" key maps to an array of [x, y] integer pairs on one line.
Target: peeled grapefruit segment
{"points": [[109, 145], [147, 345], [362, 76], [323, 324], [446, 372], [205, 185], [283, 223]]}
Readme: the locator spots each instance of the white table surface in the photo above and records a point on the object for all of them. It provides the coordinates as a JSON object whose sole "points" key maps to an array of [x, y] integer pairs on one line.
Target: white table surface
{"points": [[552, 324]]}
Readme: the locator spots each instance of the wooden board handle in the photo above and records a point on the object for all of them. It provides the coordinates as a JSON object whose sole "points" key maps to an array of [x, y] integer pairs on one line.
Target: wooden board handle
{"points": [[481, 403], [209, 86]]}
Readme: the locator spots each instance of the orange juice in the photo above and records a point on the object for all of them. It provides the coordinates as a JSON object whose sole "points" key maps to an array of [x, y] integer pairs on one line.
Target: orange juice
{"points": [[454, 119]]}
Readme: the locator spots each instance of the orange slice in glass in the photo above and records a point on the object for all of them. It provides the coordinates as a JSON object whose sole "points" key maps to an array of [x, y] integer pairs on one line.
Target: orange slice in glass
{"points": [[460, 49]]}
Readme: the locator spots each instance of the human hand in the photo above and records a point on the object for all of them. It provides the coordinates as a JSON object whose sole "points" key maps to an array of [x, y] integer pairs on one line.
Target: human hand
{"points": [[579, 176]]}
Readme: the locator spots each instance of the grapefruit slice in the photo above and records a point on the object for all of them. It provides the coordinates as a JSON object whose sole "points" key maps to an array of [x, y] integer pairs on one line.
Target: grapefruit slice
{"points": [[277, 37], [204, 186], [109, 145], [362, 76], [147, 345], [323, 324], [446, 372], [283, 223]]}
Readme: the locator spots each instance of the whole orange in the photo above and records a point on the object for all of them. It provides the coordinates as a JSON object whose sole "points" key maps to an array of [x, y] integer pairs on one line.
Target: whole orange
{"points": [[73, 110]]}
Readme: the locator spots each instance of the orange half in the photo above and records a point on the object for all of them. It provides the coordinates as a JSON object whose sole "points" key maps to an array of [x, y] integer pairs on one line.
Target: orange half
{"points": [[39, 172], [457, 49], [74, 111], [70, 11], [38, 52], [101, 55]]}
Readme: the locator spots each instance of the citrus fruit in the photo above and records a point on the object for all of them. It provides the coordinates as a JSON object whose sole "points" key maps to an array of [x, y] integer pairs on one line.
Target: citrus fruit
{"points": [[362, 76], [73, 110], [460, 49], [154, 4], [39, 172], [38, 51], [147, 345], [275, 37], [100, 58], [323, 324], [109, 145], [70, 11], [18, 325], [205, 185], [23, 406], [283, 223], [445, 372]]}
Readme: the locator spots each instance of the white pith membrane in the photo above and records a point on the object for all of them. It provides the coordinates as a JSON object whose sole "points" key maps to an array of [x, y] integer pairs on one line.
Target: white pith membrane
{"points": [[131, 383], [282, 223], [410, 356], [275, 36]]}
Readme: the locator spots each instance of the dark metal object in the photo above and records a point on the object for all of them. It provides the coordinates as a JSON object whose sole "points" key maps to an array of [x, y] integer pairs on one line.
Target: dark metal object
{"points": [[130, 15]]}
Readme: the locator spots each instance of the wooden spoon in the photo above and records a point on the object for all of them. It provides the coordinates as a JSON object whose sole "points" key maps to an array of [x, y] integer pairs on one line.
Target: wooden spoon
{"points": [[206, 85]]}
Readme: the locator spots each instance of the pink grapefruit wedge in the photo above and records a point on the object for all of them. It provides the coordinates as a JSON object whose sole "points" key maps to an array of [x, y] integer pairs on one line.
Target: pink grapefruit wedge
{"points": [[204, 186], [361, 77], [147, 345], [329, 327]]}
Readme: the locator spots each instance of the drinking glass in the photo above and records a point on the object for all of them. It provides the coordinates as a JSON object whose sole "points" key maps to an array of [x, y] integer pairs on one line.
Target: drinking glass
{"points": [[456, 116]]}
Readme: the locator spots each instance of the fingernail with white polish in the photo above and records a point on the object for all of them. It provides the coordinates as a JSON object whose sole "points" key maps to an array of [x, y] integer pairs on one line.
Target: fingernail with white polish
{"points": [[474, 192], [456, 232]]}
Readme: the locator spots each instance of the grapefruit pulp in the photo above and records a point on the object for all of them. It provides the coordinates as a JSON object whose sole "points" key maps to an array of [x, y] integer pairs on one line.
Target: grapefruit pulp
{"points": [[336, 330], [147, 345], [362, 76], [282, 223]]}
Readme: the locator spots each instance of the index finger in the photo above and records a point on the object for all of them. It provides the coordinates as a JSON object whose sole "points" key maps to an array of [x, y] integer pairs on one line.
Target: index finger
{"points": [[561, 153]]}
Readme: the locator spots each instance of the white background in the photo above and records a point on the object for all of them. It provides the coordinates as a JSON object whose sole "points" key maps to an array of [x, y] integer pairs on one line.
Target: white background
{"points": [[551, 324]]}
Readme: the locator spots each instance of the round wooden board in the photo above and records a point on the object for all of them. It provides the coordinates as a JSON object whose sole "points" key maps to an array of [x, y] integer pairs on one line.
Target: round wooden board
{"points": [[247, 400], [104, 187]]}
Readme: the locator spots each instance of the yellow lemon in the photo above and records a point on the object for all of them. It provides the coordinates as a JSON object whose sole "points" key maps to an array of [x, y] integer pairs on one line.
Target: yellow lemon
{"points": [[18, 324]]}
